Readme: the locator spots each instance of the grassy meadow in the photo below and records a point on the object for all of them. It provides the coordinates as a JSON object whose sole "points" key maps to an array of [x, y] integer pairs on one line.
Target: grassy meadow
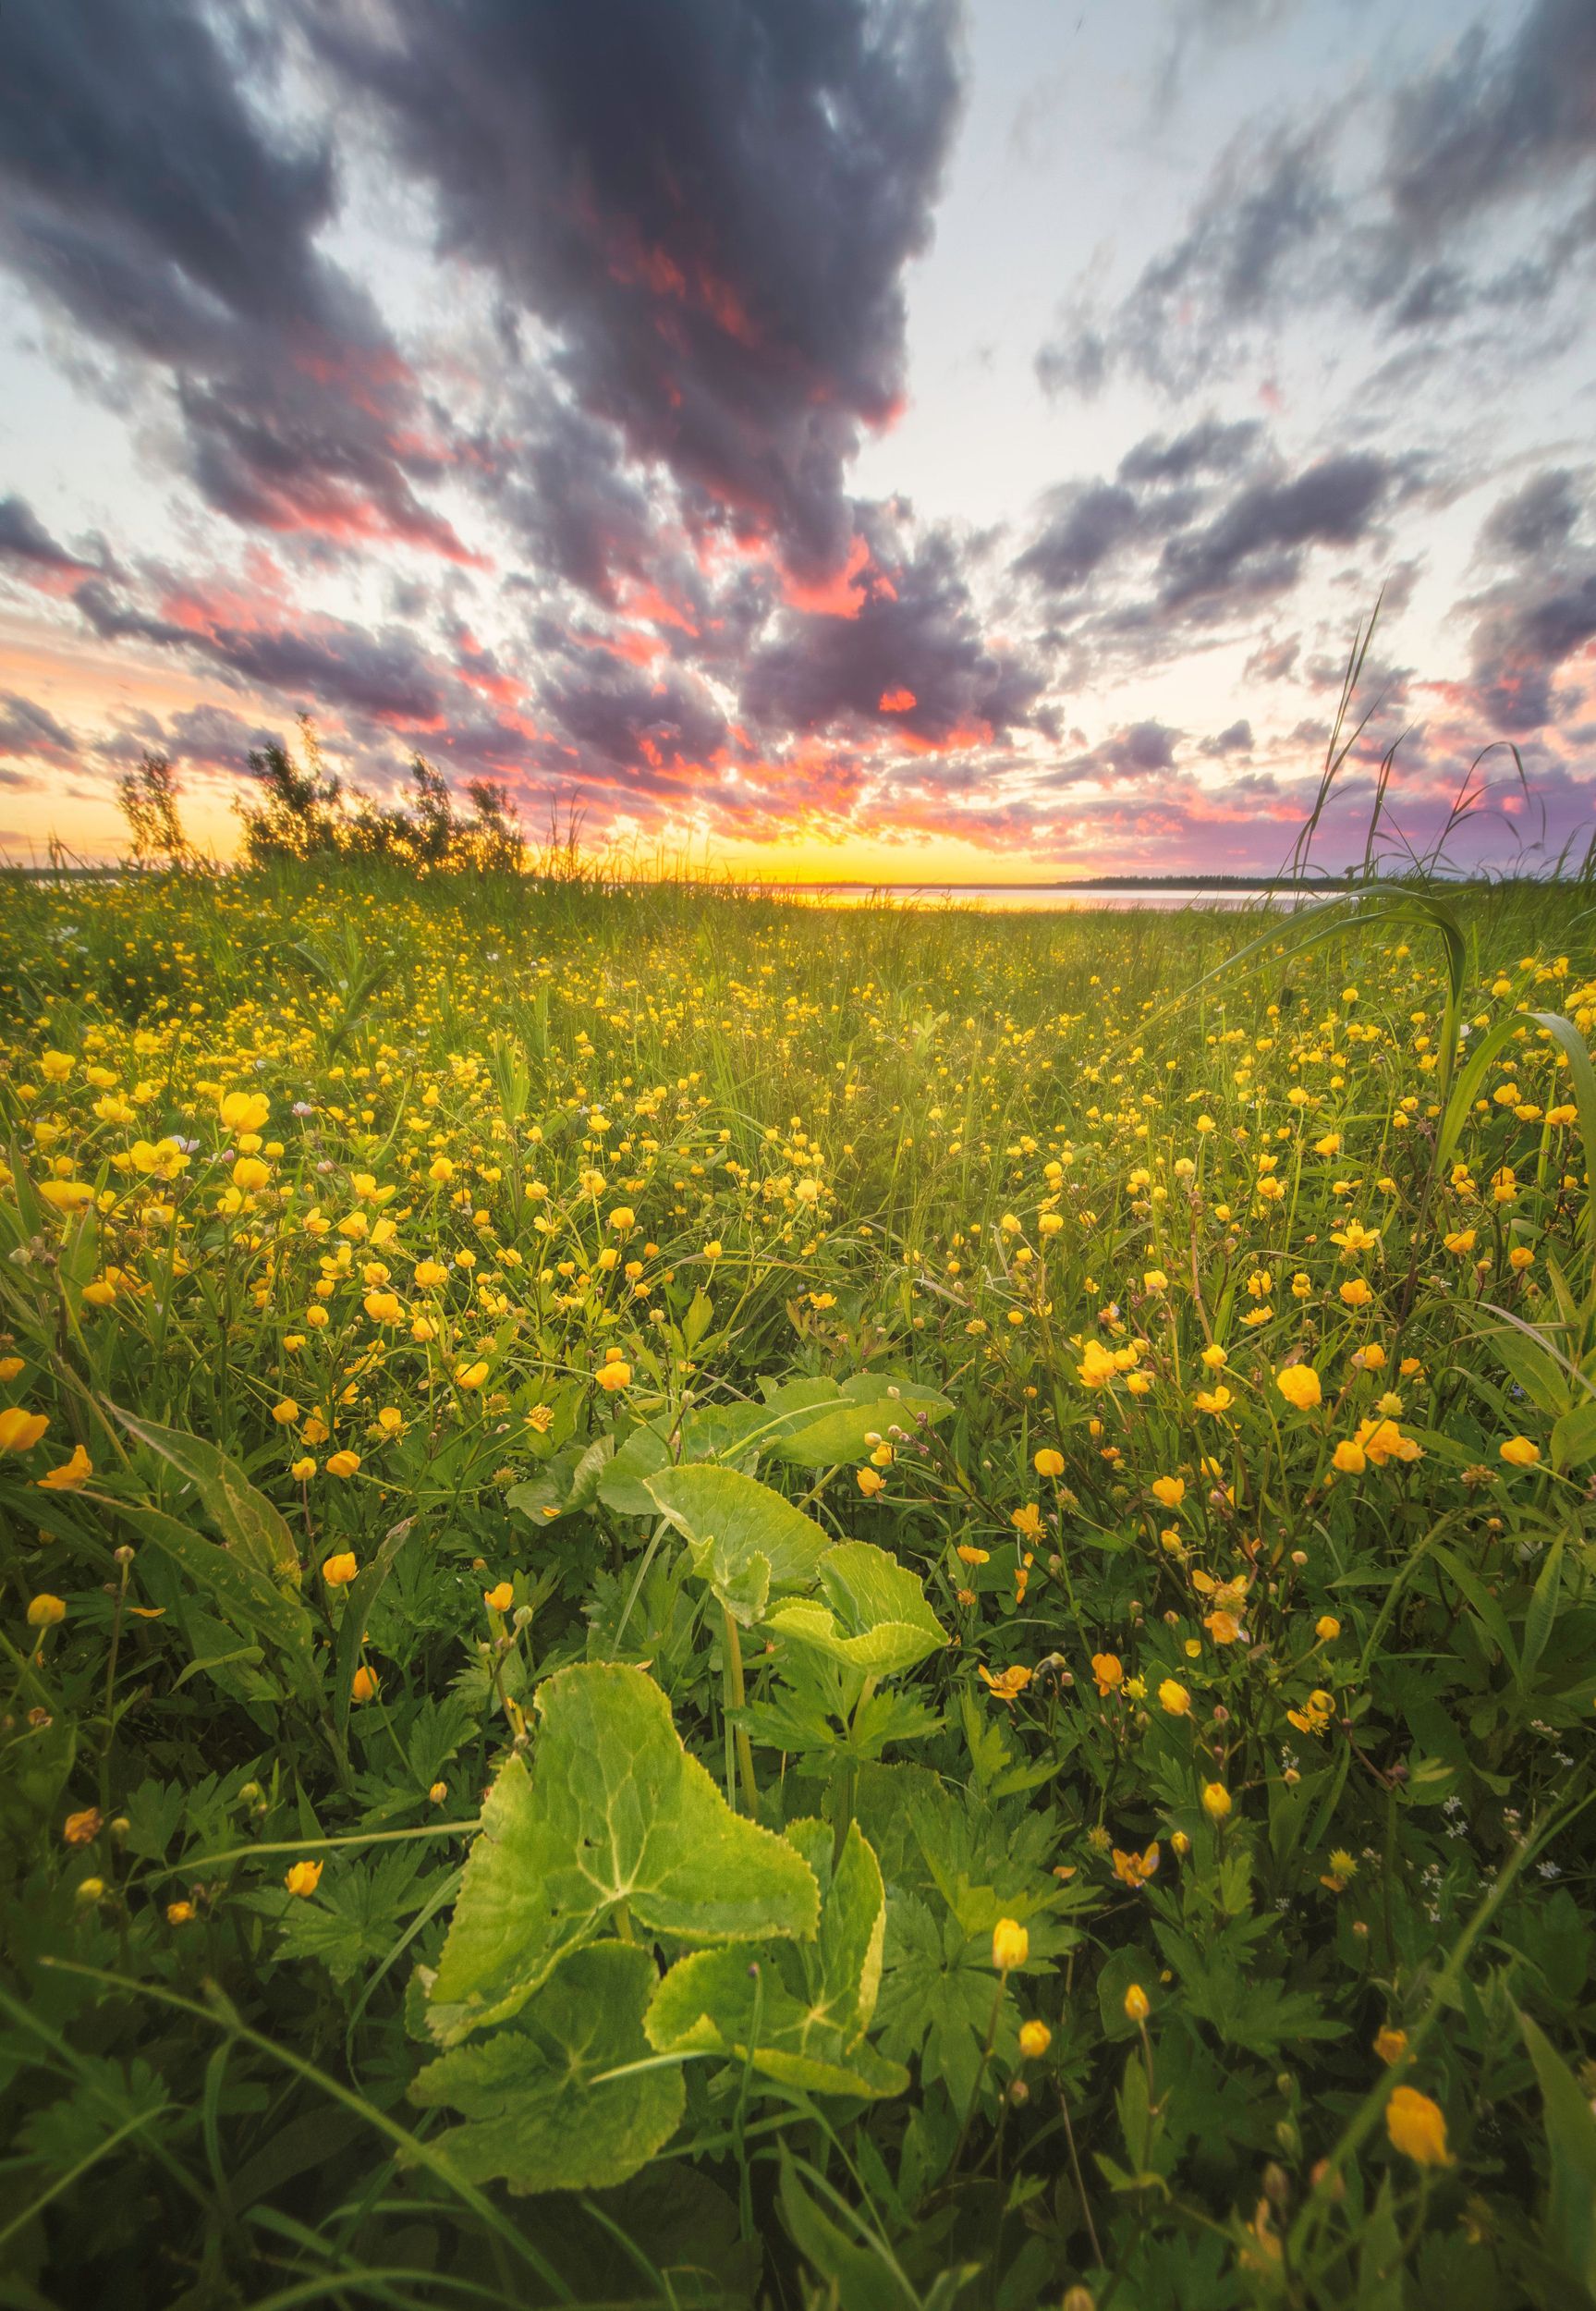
{"points": [[713, 1603]]}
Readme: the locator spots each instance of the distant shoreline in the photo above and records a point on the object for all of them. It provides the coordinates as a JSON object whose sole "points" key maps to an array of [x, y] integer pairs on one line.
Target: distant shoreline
{"points": [[775, 889]]}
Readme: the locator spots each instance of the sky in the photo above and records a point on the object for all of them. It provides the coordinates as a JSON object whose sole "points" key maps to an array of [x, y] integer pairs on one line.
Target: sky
{"points": [[883, 440]]}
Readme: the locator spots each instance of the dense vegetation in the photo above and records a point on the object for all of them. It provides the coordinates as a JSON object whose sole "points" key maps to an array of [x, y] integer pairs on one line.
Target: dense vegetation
{"points": [[715, 1604]]}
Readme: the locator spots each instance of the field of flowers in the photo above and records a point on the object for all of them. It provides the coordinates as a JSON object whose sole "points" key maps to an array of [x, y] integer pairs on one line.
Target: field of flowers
{"points": [[719, 1604]]}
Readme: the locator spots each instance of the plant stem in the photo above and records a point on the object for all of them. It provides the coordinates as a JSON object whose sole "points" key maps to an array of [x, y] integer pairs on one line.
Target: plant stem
{"points": [[735, 1697]]}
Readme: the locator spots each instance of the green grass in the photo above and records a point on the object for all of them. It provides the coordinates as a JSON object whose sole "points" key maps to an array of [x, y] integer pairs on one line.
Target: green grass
{"points": [[330, 1196]]}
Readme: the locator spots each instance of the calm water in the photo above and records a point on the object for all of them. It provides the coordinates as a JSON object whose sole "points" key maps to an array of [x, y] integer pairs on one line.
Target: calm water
{"points": [[1002, 898]]}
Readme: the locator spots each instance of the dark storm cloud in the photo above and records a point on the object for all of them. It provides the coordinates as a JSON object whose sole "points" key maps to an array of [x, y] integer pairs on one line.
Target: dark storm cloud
{"points": [[1282, 227], [710, 205], [146, 200], [1142, 750], [23, 538], [1270, 199], [1493, 123], [560, 479], [1541, 612], [31, 732], [316, 661], [1123, 569], [1088, 522], [1256, 543], [1537, 520], [914, 661], [1211, 447], [614, 715], [1163, 485], [1273, 661], [1527, 632], [1237, 739]]}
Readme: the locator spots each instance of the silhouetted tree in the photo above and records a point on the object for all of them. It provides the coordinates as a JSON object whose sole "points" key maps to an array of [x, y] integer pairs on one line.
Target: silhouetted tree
{"points": [[148, 800], [300, 813], [497, 843]]}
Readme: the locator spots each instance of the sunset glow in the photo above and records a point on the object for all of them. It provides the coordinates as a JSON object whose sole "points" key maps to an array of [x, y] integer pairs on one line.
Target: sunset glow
{"points": [[837, 456]]}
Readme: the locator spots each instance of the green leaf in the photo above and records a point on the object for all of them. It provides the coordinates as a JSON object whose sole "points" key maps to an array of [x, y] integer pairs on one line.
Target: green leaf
{"points": [[1574, 1437], [359, 1597], [1532, 1365], [874, 1616], [350, 1921], [571, 1480], [106, 2099], [613, 1810], [1492, 1619], [858, 2279], [721, 1432], [624, 1486], [799, 2014], [743, 1518], [1379, 2256], [1571, 2221], [1544, 1599], [938, 1998], [244, 1596], [248, 1522], [822, 1433], [538, 2108], [1261, 2016]]}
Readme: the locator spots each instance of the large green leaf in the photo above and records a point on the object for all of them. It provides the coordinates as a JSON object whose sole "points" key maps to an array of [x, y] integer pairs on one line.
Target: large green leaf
{"points": [[612, 1810], [829, 1430], [533, 2112], [710, 1433], [249, 1524], [800, 2012], [624, 1486], [874, 1616], [744, 1540]]}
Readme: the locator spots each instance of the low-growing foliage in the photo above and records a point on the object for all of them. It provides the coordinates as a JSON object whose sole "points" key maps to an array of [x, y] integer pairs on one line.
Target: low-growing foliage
{"points": [[709, 1603]]}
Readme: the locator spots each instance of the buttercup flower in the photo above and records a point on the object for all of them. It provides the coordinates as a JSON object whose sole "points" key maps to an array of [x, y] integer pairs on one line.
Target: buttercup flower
{"points": [[1010, 1945], [1417, 2127], [20, 1431]]}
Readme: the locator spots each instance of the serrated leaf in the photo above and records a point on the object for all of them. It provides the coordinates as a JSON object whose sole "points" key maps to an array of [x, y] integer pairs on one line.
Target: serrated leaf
{"points": [[107, 2099], [612, 1810], [250, 1527], [536, 2113], [802, 2018], [874, 1615], [937, 2001]]}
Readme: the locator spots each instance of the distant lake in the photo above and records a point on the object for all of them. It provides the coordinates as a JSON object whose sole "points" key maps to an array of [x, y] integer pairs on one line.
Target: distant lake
{"points": [[999, 898]]}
